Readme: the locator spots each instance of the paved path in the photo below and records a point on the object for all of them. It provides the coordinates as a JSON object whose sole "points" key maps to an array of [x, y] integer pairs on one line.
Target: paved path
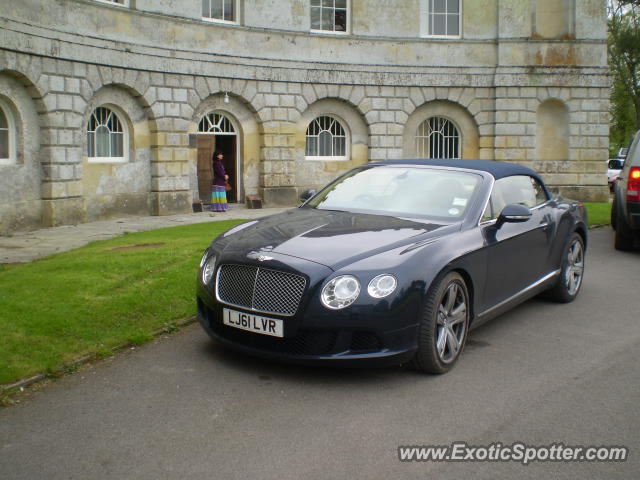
{"points": [[27, 246], [183, 408]]}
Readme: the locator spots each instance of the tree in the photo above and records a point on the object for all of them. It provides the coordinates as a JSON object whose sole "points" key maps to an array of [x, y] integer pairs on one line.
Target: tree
{"points": [[624, 62]]}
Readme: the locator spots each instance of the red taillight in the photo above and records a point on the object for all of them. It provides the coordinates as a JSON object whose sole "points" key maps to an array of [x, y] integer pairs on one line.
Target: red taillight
{"points": [[633, 185]]}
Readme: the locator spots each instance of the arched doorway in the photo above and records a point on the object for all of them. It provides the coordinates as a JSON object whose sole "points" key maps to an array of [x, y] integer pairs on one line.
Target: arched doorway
{"points": [[216, 132]]}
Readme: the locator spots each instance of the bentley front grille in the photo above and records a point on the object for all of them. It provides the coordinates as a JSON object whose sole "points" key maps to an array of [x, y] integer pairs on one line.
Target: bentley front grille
{"points": [[260, 289]]}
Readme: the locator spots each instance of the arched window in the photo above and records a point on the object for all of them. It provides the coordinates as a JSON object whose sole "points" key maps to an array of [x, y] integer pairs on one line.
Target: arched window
{"points": [[105, 136], [7, 135], [217, 124], [437, 137], [326, 139]]}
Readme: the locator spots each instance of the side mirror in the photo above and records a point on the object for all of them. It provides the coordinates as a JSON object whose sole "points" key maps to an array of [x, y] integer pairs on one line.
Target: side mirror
{"points": [[513, 213], [307, 194]]}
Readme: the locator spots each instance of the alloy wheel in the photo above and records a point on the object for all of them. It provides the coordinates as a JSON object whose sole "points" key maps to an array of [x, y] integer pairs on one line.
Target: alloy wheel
{"points": [[575, 267], [451, 322]]}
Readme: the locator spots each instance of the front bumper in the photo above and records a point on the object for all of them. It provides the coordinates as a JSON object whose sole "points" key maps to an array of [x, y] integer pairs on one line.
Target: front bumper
{"points": [[355, 345]]}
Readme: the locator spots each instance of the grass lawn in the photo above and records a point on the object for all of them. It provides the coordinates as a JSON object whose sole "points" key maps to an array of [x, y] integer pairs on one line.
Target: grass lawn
{"points": [[599, 213], [88, 300]]}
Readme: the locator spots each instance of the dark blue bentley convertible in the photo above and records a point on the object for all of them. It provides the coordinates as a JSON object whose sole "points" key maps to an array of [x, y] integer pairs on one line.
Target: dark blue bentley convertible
{"points": [[392, 263]]}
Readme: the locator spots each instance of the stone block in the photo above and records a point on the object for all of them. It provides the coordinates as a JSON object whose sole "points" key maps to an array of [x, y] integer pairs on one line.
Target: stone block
{"points": [[56, 83], [63, 211], [170, 203], [279, 196], [164, 94]]}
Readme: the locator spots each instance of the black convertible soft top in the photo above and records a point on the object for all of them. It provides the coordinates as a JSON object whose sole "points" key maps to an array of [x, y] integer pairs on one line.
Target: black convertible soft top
{"points": [[495, 168]]}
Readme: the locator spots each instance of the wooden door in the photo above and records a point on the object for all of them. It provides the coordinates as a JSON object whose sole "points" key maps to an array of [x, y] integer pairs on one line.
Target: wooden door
{"points": [[206, 145]]}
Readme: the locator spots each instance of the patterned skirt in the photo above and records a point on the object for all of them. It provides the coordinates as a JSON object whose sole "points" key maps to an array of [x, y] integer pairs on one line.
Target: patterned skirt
{"points": [[218, 199]]}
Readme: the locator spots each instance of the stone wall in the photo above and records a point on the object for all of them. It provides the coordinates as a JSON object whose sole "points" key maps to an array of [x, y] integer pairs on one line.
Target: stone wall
{"points": [[163, 68]]}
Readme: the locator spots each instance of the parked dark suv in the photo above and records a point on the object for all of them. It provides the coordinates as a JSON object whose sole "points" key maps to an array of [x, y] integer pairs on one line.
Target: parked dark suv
{"points": [[625, 211]]}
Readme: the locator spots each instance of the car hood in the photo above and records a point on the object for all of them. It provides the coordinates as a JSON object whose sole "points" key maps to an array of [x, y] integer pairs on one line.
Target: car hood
{"points": [[330, 238]]}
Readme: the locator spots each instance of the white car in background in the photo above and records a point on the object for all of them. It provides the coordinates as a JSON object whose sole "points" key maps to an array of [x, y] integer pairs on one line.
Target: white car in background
{"points": [[614, 167]]}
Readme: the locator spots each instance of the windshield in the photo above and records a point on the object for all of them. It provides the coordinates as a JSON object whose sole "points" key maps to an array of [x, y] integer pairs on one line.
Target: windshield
{"points": [[401, 191]]}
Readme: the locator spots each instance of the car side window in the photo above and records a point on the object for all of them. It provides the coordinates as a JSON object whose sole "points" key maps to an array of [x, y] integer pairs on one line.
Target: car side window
{"points": [[516, 189], [541, 194], [488, 213]]}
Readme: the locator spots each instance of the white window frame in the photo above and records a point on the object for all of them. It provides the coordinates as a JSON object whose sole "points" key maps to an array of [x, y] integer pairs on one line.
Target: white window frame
{"points": [[235, 21], [425, 20], [123, 4], [11, 129], [217, 123], [347, 140], [347, 30], [125, 136], [429, 135]]}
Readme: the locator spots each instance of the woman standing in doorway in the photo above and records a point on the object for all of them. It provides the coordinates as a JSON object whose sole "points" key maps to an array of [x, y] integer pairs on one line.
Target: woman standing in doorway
{"points": [[218, 190]]}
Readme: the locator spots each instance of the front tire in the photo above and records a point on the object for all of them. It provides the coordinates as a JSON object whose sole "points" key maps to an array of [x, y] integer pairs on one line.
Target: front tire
{"points": [[572, 271], [444, 325]]}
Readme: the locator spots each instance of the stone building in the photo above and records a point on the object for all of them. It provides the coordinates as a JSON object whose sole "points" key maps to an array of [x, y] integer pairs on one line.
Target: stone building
{"points": [[113, 107]]}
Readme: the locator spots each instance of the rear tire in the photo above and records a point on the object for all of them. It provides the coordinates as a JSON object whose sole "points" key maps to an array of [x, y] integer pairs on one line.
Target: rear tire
{"points": [[444, 325], [623, 239], [569, 283]]}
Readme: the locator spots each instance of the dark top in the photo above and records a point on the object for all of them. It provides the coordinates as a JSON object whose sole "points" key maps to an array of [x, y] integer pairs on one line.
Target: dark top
{"points": [[495, 168], [218, 173]]}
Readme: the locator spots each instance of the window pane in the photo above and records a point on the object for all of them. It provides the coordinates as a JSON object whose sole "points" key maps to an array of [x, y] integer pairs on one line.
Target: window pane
{"points": [[340, 147], [91, 149], [315, 18], [486, 215], [327, 3], [102, 142], [453, 6], [439, 26], [315, 3], [516, 189], [439, 6], [228, 10], [453, 23], [341, 3], [4, 144], [116, 145], [325, 139], [341, 20], [3, 120], [327, 19], [541, 195], [205, 8], [312, 147], [216, 9]]}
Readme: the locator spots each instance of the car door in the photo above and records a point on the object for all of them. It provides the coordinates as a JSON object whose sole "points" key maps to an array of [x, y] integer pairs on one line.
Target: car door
{"points": [[518, 253]]}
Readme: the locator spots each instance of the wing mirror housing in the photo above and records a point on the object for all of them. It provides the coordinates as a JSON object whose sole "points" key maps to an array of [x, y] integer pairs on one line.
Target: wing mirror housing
{"points": [[307, 194], [513, 213]]}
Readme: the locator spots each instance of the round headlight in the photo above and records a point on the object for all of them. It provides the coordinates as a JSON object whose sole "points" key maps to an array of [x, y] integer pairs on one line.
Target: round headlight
{"points": [[382, 285], [205, 255], [340, 292], [208, 268]]}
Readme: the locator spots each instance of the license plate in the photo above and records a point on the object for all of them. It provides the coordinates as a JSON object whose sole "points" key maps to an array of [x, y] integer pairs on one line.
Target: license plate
{"points": [[253, 323]]}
